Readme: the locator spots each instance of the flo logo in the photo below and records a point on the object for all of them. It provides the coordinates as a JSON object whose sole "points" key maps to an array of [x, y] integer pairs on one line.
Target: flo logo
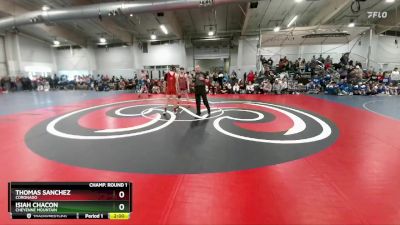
{"points": [[135, 136], [374, 15]]}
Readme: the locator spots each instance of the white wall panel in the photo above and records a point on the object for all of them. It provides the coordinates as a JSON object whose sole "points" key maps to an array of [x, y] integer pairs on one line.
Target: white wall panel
{"points": [[115, 61], [76, 60], [34, 51], [211, 53], [166, 54]]}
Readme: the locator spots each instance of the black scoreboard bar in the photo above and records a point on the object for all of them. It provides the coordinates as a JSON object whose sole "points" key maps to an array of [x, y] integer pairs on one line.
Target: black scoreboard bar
{"points": [[72, 200]]}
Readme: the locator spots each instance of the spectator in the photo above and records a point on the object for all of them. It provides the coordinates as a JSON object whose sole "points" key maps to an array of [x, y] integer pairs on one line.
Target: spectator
{"points": [[250, 88], [229, 87], [233, 75], [344, 60], [277, 86], [242, 86], [251, 77], [395, 76], [220, 78], [328, 62], [266, 86], [284, 85], [302, 66], [321, 59], [380, 76], [236, 88], [270, 62], [224, 90]]}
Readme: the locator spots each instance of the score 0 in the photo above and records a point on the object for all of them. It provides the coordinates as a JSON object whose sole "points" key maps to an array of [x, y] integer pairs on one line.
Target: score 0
{"points": [[121, 196]]}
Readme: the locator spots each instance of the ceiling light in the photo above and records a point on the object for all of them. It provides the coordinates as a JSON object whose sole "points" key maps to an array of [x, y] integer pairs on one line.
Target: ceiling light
{"points": [[352, 24], [164, 29], [102, 40], [45, 8], [55, 42], [153, 37], [277, 28], [298, 1], [390, 1], [131, 15], [292, 21]]}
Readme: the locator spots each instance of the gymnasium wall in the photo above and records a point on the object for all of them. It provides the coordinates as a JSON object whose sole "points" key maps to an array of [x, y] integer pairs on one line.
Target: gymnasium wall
{"points": [[36, 55], [165, 54], [21, 52], [387, 54], [82, 61], [210, 64], [121, 61], [115, 61], [189, 58]]}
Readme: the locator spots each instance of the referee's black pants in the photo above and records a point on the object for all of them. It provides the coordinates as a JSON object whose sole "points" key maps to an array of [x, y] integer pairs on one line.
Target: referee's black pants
{"points": [[200, 93]]}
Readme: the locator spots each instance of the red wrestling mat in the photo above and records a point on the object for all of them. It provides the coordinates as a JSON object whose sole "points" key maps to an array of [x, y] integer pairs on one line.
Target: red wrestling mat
{"points": [[356, 180]]}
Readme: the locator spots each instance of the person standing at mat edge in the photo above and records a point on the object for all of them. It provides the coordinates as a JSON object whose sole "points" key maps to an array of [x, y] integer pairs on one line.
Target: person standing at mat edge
{"points": [[171, 81], [200, 80]]}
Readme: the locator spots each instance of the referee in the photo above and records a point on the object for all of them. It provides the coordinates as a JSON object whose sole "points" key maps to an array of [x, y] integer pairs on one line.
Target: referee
{"points": [[200, 90]]}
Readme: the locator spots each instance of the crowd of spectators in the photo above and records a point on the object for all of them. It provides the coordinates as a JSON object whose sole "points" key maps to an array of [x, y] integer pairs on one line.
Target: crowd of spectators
{"points": [[319, 75], [79, 82]]}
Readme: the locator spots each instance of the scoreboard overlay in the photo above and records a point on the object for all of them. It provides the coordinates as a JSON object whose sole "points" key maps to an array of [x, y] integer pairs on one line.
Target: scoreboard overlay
{"points": [[70, 200]]}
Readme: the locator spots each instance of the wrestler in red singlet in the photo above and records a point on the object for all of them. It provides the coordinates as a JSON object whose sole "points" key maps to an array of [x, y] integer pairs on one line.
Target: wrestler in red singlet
{"points": [[170, 89], [171, 83]]}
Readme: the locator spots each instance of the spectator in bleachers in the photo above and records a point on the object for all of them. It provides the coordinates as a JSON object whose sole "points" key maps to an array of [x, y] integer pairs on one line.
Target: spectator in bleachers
{"points": [[250, 88], [229, 87], [224, 90], [220, 76], [380, 76], [328, 62], [313, 63], [343, 78], [251, 77], [242, 86], [270, 62], [277, 86], [395, 76], [321, 59], [266, 86], [236, 88], [284, 85], [283, 64]]}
